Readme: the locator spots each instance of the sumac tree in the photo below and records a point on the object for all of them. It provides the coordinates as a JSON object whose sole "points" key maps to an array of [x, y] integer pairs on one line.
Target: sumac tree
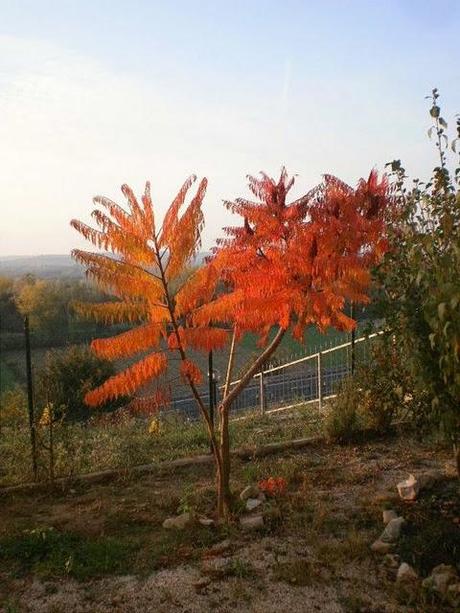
{"points": [[288, 265]]}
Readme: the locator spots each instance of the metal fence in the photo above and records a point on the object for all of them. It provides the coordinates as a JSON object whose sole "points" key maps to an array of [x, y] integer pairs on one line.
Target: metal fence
{"points": [[309, 379]]}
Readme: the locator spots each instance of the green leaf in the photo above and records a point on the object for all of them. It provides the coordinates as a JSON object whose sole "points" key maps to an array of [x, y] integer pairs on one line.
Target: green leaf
{"points": [[434, 111]]}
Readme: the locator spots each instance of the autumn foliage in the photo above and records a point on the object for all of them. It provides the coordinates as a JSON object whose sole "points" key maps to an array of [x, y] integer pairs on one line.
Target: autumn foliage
{"points": [[143, 264], [285, 267], [296, 264]]}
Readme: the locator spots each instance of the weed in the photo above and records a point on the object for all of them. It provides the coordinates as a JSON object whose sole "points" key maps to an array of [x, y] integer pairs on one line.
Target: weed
{"points": [[241, 569]]}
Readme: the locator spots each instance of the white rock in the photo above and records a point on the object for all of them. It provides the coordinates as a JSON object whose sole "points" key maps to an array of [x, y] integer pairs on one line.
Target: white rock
{"points": [[406, 573], [392, 530], [388, 515], [253, 503], [251, 491], [207, 523], [252, 522], [441, 578], [379, 546], [180, 522], [408, 489], [411, 487]]}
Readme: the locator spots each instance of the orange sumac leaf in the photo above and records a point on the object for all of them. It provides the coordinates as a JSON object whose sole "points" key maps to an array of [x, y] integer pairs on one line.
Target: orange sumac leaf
{"points": [[205, 339], [128, 343], [191, 372], [128, 381]]}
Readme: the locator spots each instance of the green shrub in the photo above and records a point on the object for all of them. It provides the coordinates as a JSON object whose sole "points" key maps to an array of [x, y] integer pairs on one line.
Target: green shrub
{"points": [[419, 280], [343, 422], [367, 402], [67, 375]]}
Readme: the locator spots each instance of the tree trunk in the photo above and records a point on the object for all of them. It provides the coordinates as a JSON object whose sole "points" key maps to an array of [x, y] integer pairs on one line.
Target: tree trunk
{"points": [[223, 468], [223, 492], [457, 457]]}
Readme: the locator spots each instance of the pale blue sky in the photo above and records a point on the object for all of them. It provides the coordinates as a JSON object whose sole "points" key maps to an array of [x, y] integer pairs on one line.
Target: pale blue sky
{"points": [[95, 94]]}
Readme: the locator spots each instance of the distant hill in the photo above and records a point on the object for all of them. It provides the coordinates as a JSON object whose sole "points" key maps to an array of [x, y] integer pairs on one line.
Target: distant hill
{"points": [[48, 266], [44, 266]]}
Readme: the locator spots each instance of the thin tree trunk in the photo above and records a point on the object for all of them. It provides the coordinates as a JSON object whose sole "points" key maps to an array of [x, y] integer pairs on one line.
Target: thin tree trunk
{"points": [[223, 483], [231, 359], [256, 366], [224, 494]]}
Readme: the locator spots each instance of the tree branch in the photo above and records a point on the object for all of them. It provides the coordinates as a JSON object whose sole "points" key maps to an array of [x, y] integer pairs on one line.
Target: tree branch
{"points": [[256, 366]]}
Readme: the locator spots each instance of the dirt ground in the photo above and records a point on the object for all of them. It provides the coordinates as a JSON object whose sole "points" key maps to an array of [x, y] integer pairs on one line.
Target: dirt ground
{"points": [[102, 548]]}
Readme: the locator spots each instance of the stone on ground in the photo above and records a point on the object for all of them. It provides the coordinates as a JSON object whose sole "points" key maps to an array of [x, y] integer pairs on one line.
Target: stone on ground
{"points": [[408, 489], [180, 522], [392, 530], [379, 546], [406, 573], [388, 515], [253, 503], [251, 491]]}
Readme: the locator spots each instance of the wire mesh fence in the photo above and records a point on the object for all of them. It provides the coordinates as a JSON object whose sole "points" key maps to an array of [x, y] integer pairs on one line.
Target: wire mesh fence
{"points": [[312, 378]]}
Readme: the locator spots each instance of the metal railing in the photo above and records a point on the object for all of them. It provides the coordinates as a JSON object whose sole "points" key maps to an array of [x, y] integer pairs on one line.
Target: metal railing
{"points": [[309, 379]]}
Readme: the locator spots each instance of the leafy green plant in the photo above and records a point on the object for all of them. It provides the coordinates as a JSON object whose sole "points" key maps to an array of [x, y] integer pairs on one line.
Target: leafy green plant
{"points": [[368, 401], [67, 375], [419, 281]]}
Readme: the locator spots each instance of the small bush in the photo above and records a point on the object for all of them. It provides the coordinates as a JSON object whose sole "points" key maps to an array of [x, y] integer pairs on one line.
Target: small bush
{"points": [[342, 423], [367, 402]]}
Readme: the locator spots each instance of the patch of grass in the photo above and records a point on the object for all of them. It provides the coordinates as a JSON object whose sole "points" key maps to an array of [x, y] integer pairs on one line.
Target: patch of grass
{"points": [[336, 552], [50, 553]]}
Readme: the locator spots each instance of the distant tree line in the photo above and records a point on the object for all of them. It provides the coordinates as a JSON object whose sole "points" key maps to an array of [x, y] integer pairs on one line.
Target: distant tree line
{"points": [[48, 304]]}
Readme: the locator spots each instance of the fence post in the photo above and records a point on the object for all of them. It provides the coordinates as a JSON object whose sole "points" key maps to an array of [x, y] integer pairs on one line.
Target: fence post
{"points": [[262, 392], [30, 398], [353, 340], [320, 383]]}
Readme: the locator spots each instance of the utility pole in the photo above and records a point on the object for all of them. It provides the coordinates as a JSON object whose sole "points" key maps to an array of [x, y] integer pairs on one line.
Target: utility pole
{"points": [[30, 398]]}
